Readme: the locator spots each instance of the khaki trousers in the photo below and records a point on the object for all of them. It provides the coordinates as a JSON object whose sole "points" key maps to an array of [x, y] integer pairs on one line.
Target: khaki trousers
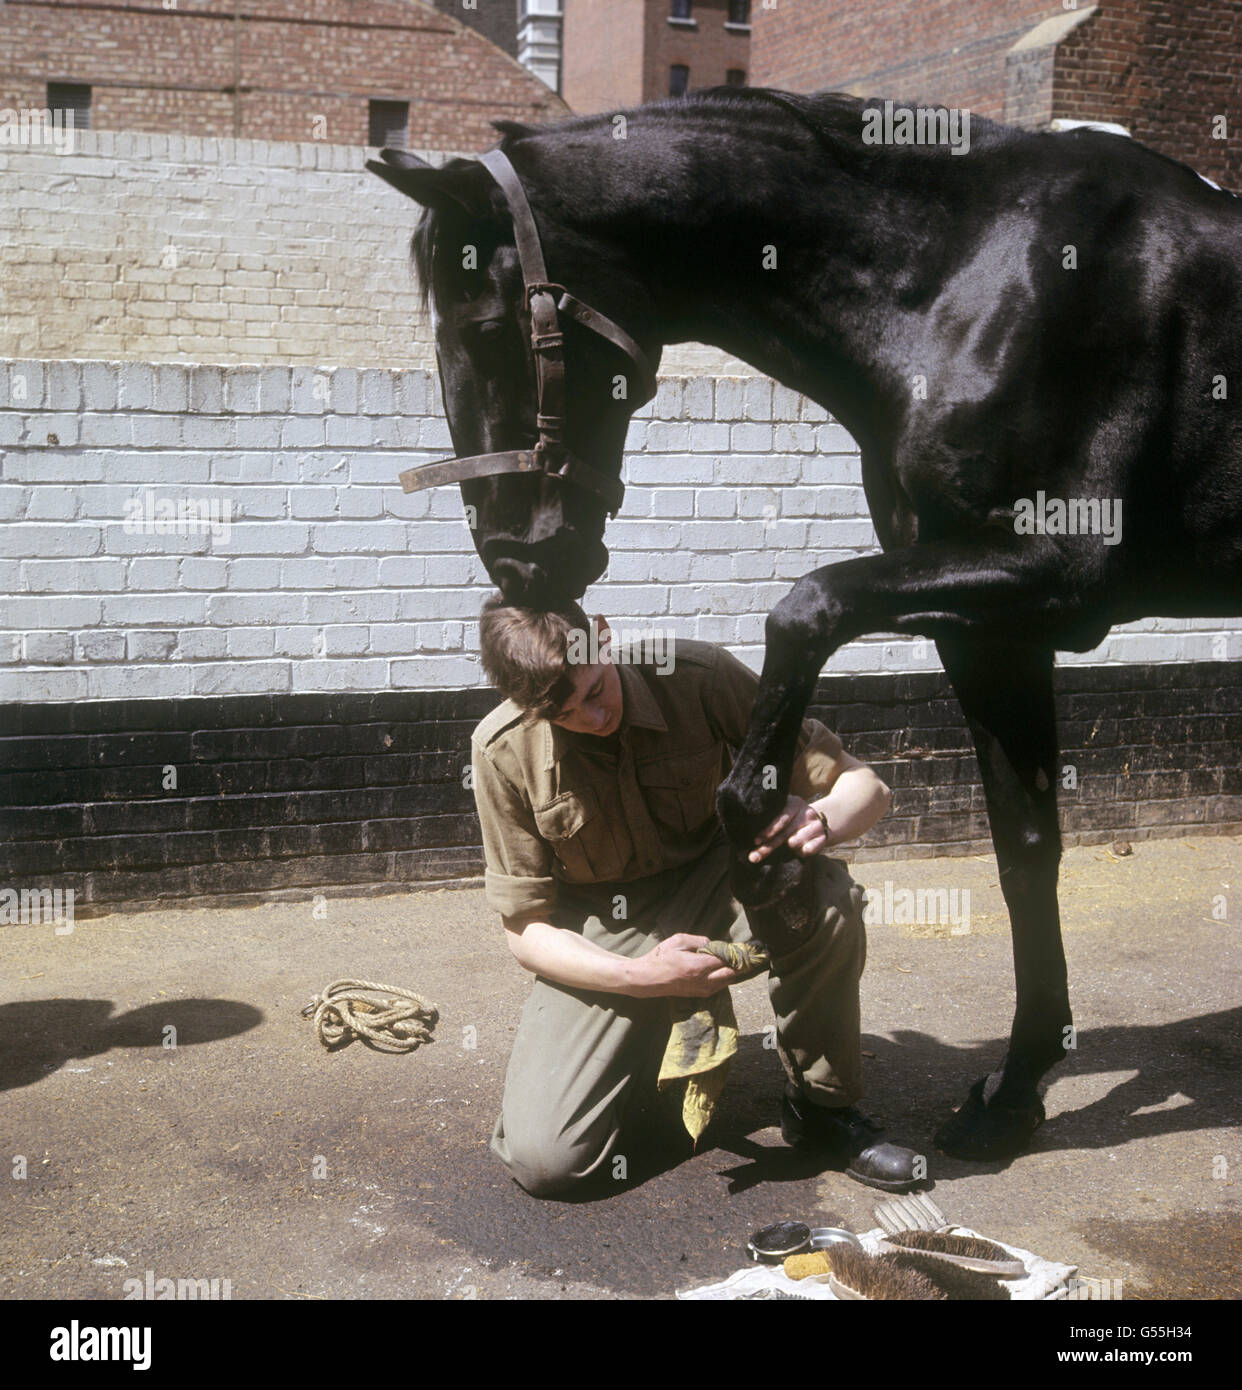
{"points": [[583, 1062]]}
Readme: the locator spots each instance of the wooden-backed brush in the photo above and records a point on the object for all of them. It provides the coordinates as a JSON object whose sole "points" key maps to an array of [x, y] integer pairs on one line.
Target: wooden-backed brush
{"points": [[857, 1275], [970, 1252], [957, 1284]]}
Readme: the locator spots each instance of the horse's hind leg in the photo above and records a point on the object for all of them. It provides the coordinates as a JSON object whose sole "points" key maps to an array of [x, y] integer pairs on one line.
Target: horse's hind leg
{"points": [[1006, 696]]}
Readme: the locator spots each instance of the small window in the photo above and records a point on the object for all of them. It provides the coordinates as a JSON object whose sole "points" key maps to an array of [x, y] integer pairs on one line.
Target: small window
{"points": [[739, 12], [390, 124], [678, 80], [736, 77], [680, 9], [71, 96]]}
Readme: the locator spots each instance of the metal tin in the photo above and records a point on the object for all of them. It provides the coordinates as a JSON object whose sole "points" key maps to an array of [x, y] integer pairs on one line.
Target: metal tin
{"points": [[774, 1243], [824, 1236]]}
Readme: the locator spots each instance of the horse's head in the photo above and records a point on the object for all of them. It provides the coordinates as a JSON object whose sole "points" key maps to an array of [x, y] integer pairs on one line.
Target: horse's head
{"points": [[539, 535]]}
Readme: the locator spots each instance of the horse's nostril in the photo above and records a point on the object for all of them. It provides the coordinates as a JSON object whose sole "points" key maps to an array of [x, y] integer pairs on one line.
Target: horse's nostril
{"points": [[512, 578]]}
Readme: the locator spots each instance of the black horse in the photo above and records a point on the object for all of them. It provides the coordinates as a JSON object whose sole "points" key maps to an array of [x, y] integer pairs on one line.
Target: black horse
{"points": [[1052, 313]]}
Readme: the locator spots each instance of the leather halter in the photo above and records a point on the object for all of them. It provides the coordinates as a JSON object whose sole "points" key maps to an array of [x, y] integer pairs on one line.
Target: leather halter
{"points": [[546, 302]]}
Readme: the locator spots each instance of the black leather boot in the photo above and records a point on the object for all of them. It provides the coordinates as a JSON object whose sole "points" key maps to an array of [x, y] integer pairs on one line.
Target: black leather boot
{"points": [[847, 1139]]}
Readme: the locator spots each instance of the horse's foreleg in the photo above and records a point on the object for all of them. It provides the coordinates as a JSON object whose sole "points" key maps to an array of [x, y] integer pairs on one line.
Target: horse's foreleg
{"points": [[985, 587], [801, 633], [1006, 695]]}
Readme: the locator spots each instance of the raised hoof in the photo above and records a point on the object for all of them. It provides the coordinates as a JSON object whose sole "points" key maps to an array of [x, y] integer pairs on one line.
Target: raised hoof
{"points": [[987, 1130], [779, 899], [767, 883]]}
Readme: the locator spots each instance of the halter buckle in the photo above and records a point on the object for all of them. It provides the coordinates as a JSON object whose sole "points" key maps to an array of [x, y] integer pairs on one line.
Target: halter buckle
{"points": [[544, 287]]}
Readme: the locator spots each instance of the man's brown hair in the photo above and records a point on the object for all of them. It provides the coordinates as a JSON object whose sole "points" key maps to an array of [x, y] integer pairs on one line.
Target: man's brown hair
{"points": [[524, 654]]}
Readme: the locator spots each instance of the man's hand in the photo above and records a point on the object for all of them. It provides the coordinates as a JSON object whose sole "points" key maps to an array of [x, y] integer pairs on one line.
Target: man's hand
{"points": [[798, 826], [677, 968]]}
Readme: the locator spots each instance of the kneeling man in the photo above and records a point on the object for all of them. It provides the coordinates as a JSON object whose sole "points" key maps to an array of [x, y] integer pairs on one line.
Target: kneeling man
{"points": [[595, 781]]}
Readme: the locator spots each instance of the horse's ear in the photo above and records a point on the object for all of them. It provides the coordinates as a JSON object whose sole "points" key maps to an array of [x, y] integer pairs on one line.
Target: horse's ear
{"points": [[467, 186], [403, 159], [515, 128]]}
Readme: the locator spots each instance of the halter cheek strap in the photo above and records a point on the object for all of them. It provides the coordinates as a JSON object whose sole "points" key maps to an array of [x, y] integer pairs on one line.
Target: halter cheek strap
{"points": [[545, 302]]}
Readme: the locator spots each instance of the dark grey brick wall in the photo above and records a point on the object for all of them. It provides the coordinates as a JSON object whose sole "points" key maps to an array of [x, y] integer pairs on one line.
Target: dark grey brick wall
{"points": [[318, 791]]}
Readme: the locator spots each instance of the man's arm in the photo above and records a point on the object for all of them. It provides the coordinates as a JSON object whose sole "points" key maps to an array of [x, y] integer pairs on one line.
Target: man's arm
{"points": [[674, 967], [517, 860], [848, 793], [520, 886], [855, 802]]}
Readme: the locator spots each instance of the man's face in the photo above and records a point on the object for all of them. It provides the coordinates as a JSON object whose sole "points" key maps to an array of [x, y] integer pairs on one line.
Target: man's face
{"points": [[596, 703]]}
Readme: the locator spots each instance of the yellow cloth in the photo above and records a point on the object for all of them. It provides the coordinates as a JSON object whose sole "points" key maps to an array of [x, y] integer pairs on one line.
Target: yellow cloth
{"points": [[703, 1040]]}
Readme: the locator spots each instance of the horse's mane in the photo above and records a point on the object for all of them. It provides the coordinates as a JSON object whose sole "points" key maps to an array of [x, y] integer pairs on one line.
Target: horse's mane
{"points": [[835, 119]]}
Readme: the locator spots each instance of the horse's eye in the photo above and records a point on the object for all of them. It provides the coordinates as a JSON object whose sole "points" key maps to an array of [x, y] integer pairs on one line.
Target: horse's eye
{"points": [[491, 329]]}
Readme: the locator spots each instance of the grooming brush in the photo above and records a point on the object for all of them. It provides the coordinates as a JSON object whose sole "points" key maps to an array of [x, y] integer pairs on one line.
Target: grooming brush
{"points": [[913, 1213], [877, 1277], [956, 1283], [968, 1252]]}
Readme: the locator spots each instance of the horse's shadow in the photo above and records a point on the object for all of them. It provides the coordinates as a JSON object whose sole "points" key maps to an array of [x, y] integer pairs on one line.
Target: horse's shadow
{"points": [[1190, 1066], [39, 1036], [1192, 1062]]}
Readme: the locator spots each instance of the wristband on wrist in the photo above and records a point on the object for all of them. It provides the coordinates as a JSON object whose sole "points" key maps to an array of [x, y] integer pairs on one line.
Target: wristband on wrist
{"points": [[823, 820]]}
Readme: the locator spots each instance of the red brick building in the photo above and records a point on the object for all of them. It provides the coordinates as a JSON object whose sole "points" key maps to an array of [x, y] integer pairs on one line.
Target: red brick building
{"points": [[494, 19], [624, 52], [1167, 70], [346, 71]]}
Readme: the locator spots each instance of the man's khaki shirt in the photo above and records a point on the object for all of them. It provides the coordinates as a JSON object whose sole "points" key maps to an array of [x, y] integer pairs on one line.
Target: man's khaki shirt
{"points": [[555, 805]]}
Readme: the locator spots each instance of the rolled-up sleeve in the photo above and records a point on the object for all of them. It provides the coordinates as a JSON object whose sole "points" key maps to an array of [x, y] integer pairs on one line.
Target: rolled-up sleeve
{"points": [[819, 759], [518, 861]]}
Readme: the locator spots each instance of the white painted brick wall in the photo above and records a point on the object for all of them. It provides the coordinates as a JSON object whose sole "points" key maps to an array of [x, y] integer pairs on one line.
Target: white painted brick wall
{"points": [[332, 578]]}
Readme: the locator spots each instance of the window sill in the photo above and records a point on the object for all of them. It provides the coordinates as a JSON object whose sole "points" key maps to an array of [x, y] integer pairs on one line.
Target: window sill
{"points": [[683, 23], [737, 28]]}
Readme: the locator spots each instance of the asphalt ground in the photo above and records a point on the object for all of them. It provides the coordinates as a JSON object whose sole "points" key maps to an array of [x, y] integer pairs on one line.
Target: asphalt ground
{"points": [[248, 1152]]}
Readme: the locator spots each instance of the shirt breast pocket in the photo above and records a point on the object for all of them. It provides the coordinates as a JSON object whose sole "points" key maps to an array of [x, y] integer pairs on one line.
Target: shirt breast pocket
{"points": [[582, 843], [681, 789]]}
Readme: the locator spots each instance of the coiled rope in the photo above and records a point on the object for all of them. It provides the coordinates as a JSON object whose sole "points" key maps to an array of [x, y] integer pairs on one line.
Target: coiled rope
{"points": [[400, 1023]]}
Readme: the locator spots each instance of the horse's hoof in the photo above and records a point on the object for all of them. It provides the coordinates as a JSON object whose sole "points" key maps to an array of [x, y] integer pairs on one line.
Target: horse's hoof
{"points": [[779, 900], [986, 1130], [767, 883]]}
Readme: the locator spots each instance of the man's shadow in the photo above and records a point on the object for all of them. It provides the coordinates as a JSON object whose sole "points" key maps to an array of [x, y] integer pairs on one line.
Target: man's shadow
{"points": [[38, 1036]]}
